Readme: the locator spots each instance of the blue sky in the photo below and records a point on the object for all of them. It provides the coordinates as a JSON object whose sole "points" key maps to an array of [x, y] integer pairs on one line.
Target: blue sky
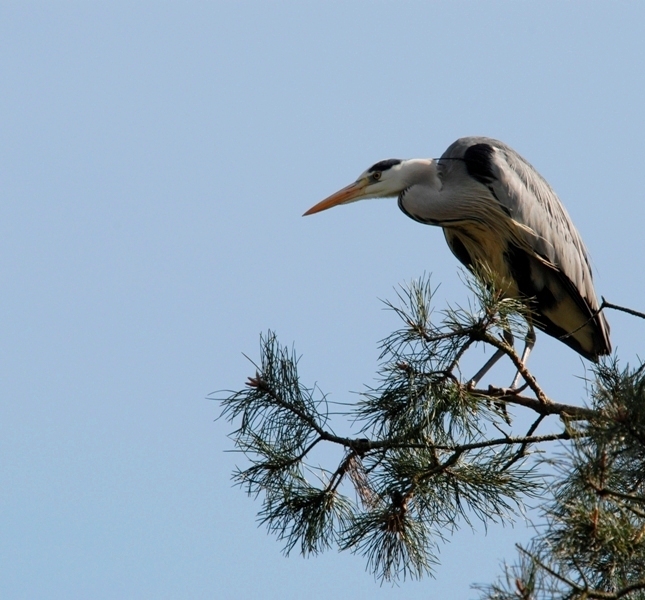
{"points": [[155, 162]]}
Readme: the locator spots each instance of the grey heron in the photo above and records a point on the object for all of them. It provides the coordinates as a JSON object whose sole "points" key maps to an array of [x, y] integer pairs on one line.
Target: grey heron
{"points": [[499, 213]]}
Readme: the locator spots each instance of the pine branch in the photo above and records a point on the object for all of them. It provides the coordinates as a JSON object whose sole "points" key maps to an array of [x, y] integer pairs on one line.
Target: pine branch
{"points": [[545, 408], [422, 455]]}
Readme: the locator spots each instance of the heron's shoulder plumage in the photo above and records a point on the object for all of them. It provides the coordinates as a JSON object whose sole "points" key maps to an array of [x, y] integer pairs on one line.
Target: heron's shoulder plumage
{"points": [[526, 197], [545, 228]]}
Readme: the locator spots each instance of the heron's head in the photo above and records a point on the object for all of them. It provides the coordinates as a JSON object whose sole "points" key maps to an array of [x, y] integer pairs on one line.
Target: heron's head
{"points": [[387, 178]]}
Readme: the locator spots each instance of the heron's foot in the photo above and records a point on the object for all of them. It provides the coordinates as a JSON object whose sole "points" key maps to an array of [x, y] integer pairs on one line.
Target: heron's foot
{"points": [[519, 390], [500, 407], [505, 391]]}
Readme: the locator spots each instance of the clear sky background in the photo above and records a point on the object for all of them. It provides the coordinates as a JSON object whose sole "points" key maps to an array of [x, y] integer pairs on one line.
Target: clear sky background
{"points": [[155, 162]]}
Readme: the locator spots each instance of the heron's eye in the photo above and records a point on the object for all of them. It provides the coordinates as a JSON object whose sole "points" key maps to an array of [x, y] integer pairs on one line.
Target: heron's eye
{"points": [[376, 175]]}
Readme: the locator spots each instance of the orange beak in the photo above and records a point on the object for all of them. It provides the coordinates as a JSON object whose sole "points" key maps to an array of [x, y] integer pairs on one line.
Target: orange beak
{"points": [[348, 194]]}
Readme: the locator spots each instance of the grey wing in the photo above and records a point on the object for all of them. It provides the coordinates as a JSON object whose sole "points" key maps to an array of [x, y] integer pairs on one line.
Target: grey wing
{"points": [[560, 265]]}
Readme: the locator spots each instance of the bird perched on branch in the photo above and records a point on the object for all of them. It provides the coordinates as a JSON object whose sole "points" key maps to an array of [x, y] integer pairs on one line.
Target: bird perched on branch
{"points": [[499, 215]]}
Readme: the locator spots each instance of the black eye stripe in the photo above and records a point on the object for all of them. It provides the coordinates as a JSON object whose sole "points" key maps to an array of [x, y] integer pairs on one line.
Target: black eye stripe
{"points": [[384, 165]]}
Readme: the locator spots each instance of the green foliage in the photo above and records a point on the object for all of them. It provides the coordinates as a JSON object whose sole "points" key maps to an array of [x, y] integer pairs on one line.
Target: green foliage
{"points": [[431, 453], [592, 540]]}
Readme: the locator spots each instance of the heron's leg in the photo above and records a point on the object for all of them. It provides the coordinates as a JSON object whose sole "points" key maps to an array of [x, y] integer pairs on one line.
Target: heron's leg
{"points": [[529, 342], [508, 336]]}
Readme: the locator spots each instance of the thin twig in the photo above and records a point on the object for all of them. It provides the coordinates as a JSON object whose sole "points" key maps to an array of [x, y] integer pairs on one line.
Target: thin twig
{"points": [[596, 312], [629, 311], [603, 491], [521, 453], [585, 592]]}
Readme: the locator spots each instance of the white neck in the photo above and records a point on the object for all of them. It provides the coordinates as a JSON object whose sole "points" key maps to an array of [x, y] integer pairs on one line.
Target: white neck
{"points": [[423, 197], [418, 171]]}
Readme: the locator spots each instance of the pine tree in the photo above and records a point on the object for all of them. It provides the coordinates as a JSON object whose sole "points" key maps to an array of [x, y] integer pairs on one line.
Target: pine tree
{"points": [[430, 452]]}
